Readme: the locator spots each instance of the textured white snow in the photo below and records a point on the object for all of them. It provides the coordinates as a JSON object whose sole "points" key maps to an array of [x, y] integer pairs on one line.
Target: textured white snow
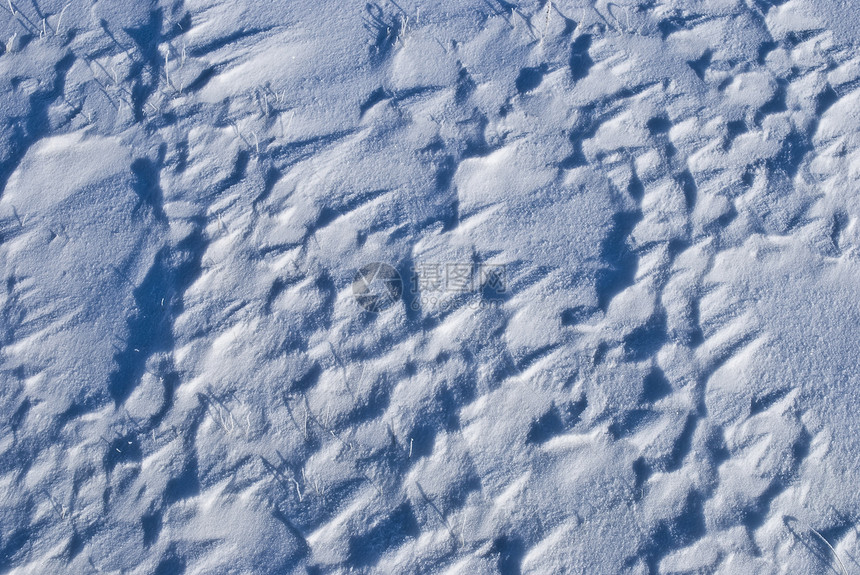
{"points": [[188, 188]]}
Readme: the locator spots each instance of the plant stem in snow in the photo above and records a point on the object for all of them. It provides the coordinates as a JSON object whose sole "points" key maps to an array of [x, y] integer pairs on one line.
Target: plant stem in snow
{"points": [[60, 19]]}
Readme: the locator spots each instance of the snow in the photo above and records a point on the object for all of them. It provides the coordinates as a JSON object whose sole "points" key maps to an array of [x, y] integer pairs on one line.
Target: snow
{"points": [[625, 331]]}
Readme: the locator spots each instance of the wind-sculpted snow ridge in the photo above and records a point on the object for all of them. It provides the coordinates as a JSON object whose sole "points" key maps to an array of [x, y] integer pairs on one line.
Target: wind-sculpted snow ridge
{"points": [[458, 287]]}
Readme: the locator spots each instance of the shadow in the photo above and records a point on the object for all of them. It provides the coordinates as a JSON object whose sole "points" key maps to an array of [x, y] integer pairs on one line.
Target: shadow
{"points": [[158, 300], [701, 64], [393, 530], [151, 525], [465, 85], [171, 564], [646, 340], [147, 38], [676, 533], [184, 485], [556, 421], [147, 186], [656, 386], [620, 261], [510, 551], [580, 61], [375, 98], [38, 121], [630, 421], [384, 30], [575, 315], [683, 445], [530, 78]]}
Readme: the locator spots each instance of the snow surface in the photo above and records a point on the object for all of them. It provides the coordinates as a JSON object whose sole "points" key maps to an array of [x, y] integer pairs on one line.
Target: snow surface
{"points": [[659, 378]]}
